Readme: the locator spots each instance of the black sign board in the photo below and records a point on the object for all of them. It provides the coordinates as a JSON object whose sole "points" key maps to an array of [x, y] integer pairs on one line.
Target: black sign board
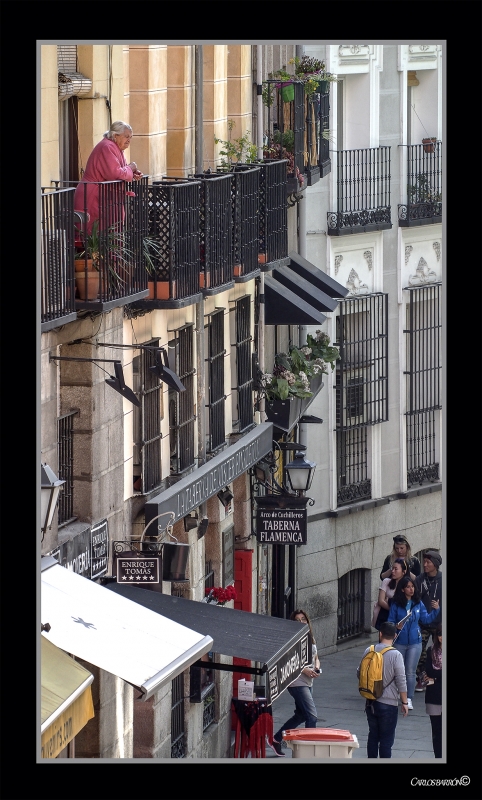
{"points": [[99, 549], [288, 667], [281, 525], [138, 570], [74, 554]]}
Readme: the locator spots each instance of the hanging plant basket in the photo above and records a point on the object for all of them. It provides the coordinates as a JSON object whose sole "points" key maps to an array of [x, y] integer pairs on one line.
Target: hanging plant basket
{"points": [[429, 145]]}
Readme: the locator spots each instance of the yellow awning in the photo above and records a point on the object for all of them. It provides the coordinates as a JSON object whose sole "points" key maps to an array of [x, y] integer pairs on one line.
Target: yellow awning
{"points": [[66, 698]]}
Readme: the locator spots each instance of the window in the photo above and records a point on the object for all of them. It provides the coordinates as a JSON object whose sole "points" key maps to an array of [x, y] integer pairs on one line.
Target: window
{"points": [[351, 604], [65, 432], [216, 396], [361, 389], [147, 422], [178, 735], [244, 389], [423, 401], [181, 404]]}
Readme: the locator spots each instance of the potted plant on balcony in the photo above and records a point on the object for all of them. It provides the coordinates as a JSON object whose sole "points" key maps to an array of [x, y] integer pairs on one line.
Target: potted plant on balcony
{"points": [[429, 144], [313, 73], [152, 251], [105, 252], [294, 377], [281, 145]]}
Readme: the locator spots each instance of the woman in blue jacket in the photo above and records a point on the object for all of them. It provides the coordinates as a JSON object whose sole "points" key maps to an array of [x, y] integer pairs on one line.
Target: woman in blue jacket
{"points": [[409, 638]]}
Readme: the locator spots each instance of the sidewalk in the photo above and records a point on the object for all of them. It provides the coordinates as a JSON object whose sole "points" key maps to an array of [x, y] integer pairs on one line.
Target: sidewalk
{"points": [[339, 705]]}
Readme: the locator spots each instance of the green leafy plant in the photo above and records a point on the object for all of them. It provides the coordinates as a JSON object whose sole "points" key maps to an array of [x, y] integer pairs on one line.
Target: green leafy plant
{"points": [[422, 192], [311, 71], [320, 349], [152, 251], [241, 150], [108, 250]]}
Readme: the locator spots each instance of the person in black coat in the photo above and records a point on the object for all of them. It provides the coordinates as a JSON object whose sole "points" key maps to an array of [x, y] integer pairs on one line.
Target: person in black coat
{"points": [[433, 692]]}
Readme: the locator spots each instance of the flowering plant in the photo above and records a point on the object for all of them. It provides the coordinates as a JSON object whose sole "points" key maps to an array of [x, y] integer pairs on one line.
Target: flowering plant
{"points": [[221, 595], [291, 373]]}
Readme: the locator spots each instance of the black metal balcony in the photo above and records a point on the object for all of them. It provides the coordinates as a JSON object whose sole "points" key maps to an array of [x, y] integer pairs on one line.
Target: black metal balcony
{"points": [[363, 192], [109, 228], [245, 204], [286, 129], [423, 204], [57, 258], [215, 232], [173, 226], [273, 215], [317, 144]]}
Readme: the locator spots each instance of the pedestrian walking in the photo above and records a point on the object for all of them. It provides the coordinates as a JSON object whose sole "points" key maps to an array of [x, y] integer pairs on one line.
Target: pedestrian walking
{"points": [[382, 714], [386, 592], [301, 690], [406, 600], [401, 549], [429, 584], [432, 678]]}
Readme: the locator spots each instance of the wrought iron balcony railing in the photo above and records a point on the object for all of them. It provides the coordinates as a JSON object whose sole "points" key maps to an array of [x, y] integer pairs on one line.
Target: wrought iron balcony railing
{"points": [[173, 226], [317, 150], [245, 206], [363, 192], [109, 228], [285, 116], [57, 258], [216, 232], [273, 214], [423, 204]]}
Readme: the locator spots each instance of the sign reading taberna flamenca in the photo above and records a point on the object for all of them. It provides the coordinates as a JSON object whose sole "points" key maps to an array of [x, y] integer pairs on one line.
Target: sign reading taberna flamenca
{"points": [[287, 668], [281, 525]]}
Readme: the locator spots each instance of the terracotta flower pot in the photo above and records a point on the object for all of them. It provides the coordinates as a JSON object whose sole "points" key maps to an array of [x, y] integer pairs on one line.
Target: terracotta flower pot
{"points": [[262, 258], [158, 291], [429, 145], [237, 270], [80, 264], [87, 285]]}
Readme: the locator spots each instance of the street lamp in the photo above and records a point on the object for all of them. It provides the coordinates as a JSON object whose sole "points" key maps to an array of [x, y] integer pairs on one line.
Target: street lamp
{"points": [[49, 495], [299, 473]]}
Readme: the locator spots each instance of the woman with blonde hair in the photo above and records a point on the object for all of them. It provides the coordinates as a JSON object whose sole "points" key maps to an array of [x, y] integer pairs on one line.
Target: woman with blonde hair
{"points": [[401, 549]]}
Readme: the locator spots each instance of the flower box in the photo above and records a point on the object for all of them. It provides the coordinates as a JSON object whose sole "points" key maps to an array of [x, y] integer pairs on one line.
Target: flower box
{"points": [[284, 414]]}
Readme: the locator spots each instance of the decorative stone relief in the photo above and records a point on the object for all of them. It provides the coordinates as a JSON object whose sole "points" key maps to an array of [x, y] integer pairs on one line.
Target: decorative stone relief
{"points": [[354, 53], [408, 250], [436, 247], [355, 285], [423, 274], [369, 258], [422, 52], [338, 260]]}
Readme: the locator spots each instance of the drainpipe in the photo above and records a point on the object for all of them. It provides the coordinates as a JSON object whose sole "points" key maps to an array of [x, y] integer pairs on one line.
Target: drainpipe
{"points": [[200, 355], [261, 317]]}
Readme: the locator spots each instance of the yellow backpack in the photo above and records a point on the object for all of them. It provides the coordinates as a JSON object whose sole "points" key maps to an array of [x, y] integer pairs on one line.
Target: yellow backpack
{"points": [[370, 681]]}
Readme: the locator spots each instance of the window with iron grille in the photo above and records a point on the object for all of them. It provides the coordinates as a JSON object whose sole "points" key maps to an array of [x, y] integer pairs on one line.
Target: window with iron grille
{"points": [[181, 404], [178, 734], [65, 432], [423, 402], [208, 575], [216, 396], [361, 389], [147, 421], [244, 389], [351, 604]]}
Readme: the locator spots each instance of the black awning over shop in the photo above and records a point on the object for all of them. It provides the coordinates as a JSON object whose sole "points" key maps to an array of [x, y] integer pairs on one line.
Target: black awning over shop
{"points": [[281, 646], [299, 293]]}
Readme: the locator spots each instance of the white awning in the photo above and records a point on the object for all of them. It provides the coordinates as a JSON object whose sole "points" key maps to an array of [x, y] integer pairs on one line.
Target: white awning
{"points": [[143, 648]]}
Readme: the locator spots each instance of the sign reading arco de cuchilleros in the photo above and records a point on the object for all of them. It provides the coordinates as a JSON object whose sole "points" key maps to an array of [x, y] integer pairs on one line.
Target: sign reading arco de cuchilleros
{"points": [[67, 725]]}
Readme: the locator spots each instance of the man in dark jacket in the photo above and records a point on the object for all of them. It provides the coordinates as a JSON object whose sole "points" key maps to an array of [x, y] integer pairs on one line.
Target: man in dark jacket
{"points": [[429, 584]]}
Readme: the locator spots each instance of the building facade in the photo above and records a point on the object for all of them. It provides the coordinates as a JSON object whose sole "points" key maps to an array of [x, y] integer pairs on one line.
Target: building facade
{"points": [[334, 225]]}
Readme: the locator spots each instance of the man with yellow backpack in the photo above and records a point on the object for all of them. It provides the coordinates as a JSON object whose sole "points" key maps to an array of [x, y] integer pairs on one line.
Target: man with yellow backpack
{"points": [[381, 681]]}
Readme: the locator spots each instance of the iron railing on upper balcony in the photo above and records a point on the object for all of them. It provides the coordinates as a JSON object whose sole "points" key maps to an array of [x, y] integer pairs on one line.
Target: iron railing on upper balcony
{"points": [[273, 214], [173, 222], [423, 204], [317, 137], [57, 258], [110, 225], [216, 232], [245, 207], [285, 123], [363, 192]]}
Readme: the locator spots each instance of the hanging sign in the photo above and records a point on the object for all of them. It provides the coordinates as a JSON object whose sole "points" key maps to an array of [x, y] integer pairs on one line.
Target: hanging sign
{"points": [[281, 525], [138, 570], [288, 667], [99, 549]]}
